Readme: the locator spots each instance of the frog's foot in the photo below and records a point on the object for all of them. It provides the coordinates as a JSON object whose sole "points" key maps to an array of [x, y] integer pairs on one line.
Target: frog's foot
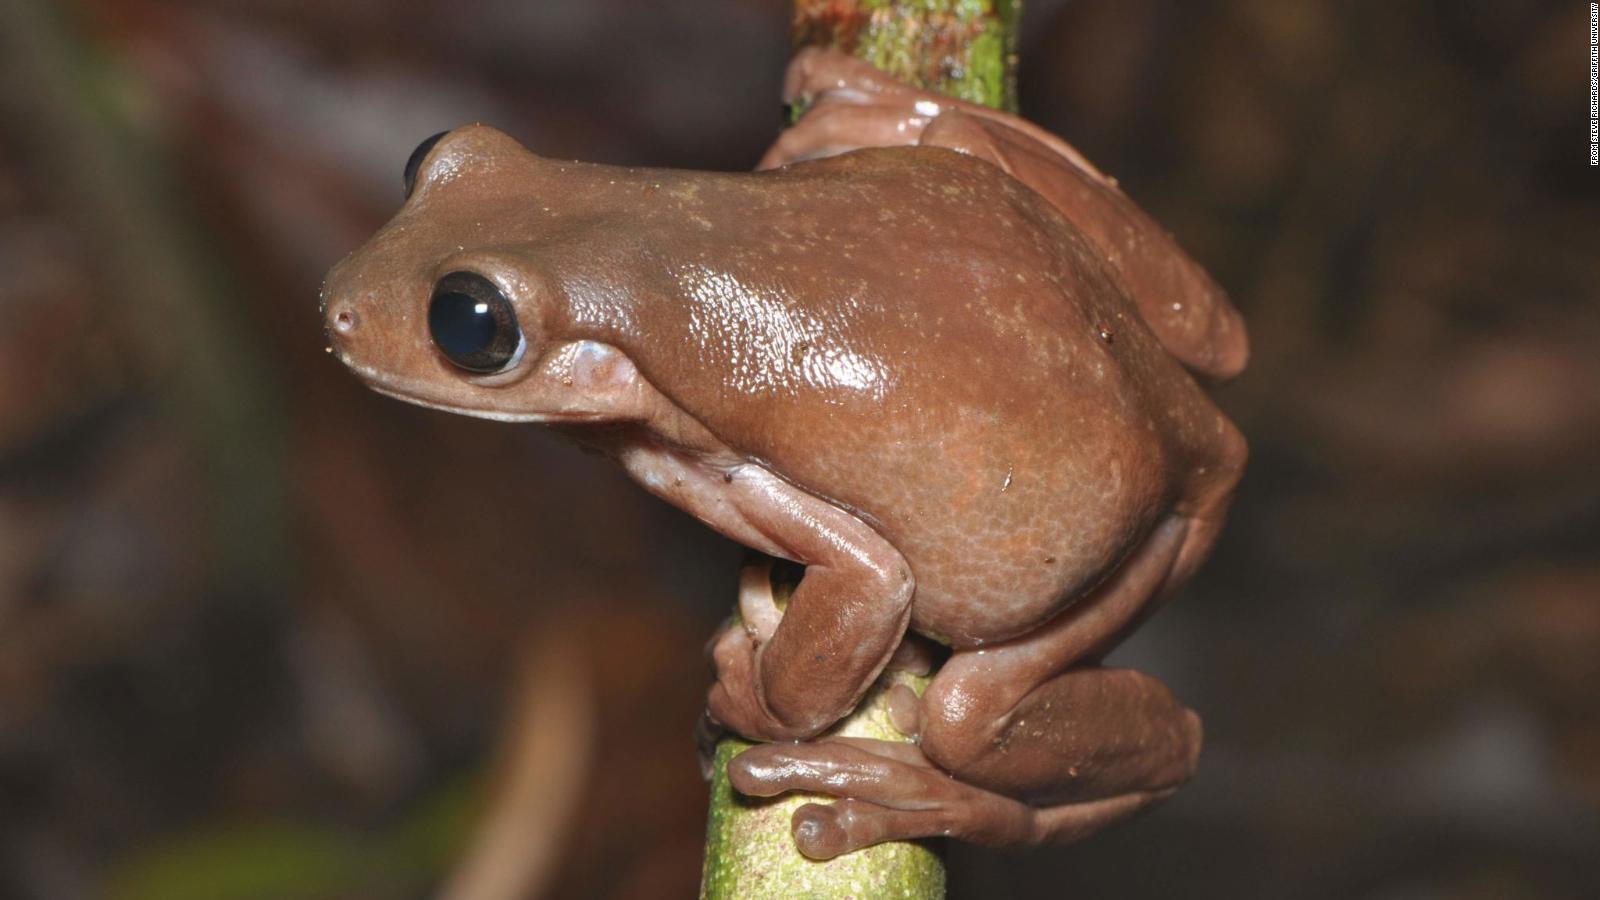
{"points": [[891, 792], [839, 123], [915, 655], [735, 701]]}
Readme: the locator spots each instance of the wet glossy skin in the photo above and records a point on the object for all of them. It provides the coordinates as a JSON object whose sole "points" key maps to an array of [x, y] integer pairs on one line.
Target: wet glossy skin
{"points": [[946, 382]]}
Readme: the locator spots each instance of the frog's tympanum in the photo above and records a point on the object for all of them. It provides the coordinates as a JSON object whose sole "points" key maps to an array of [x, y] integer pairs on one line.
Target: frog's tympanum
{"points": [[930, 354]]}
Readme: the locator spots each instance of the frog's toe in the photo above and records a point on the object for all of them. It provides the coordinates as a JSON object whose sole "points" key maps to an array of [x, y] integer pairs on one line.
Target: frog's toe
{"points": [[826, 830], [707, 732], [841, 767], [889, 792]]}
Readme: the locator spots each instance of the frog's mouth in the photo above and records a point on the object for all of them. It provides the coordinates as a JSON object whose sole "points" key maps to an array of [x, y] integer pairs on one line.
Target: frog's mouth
{"points": [[496, 415], [401, 390]]}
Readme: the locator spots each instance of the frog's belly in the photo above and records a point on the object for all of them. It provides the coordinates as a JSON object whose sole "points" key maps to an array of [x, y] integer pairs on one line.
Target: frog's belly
{"points": [[967, 620], [963, 621], [1000, 562], [1008, 595]]}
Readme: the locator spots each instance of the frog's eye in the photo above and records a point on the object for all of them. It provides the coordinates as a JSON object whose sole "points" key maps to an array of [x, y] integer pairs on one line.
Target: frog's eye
{"points": [[473, 324], [414, 161]]}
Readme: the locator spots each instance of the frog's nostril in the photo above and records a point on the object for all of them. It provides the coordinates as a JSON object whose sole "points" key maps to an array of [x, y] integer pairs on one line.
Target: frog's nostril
{"points": [[344, 321]]}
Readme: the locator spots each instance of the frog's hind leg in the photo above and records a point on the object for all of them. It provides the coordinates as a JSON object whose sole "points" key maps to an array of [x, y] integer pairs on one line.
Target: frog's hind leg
{"points": [[1082, 751], [1043, 743], [1181, 304]]}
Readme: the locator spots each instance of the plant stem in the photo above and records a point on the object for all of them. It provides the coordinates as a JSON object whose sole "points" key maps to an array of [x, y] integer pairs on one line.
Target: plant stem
{"points": [[750, 854], [962, 48]]}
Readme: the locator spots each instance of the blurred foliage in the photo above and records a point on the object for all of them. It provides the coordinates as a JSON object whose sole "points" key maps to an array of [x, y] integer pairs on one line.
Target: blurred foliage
{"points": [[294, 860], [1394, 648]]}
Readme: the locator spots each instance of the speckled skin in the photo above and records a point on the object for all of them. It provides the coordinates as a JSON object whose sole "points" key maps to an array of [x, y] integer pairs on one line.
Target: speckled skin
{"points": [[928, 380]]}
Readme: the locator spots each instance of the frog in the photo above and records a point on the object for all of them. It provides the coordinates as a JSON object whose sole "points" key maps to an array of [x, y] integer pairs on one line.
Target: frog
{"points": [[927, 354]]}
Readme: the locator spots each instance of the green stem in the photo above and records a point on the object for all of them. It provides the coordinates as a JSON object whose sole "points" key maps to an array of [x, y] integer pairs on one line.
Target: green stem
{"points": [[961, 48], [750, 854]]}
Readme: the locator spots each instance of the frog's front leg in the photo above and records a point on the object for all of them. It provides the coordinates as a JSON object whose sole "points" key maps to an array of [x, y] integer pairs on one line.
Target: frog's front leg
{"points": [[843, 621]]}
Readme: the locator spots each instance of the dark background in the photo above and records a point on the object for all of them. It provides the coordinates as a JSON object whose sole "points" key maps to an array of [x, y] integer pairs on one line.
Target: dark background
{"points": [[259, 626]]}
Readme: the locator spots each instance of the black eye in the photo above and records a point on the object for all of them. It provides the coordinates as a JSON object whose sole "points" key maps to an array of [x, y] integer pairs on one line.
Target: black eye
{"points": [[473, 324], [414, 161]]}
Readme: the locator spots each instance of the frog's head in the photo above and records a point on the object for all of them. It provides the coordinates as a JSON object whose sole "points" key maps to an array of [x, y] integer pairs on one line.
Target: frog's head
{"points": [[452, 305]]}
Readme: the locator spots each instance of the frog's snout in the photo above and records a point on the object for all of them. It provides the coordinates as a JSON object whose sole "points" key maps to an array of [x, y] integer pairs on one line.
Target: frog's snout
{"points": [[342, 320], [340, 323]]}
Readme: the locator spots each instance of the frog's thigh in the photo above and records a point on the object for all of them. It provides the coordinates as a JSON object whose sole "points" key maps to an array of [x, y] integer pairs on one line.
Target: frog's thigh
{"points": [[1036, 719], [1085, 734]]}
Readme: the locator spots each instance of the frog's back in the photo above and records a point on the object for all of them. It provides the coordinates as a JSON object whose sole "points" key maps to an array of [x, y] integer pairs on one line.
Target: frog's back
{"points": [[919, 338]]}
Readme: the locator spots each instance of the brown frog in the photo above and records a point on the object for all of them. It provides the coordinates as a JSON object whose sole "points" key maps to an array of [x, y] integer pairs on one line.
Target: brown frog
{"points": [[931, 355]]}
